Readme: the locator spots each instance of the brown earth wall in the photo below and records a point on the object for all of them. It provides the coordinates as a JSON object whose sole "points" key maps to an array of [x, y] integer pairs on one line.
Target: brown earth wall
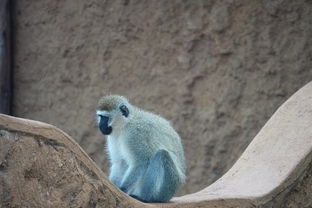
{"points": [[216, 69]]}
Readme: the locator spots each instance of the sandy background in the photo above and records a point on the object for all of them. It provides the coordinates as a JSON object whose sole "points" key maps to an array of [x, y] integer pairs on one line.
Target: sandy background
{"points": [[216, 69]]}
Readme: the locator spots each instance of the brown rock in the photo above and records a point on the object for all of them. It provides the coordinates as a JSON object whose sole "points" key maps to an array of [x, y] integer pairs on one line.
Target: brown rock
{"points": [[41, 166], [216, 69]]}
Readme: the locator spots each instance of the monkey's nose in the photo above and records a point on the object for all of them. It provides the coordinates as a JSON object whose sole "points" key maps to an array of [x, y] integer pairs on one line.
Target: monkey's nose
{"points": [[104, 118], [103, 125]]}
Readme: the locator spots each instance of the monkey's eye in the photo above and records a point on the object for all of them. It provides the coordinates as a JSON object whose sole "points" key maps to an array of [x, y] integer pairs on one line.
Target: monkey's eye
{"points": [[124, 110]]}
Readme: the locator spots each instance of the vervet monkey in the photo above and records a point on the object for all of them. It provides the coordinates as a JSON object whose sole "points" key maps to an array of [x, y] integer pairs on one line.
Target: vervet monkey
{"points": [[146, 154]]}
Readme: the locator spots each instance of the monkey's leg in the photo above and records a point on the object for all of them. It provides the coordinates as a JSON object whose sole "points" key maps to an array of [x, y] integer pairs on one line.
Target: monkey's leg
{"points": [[132, 175], [161, 179], [117, 171]]}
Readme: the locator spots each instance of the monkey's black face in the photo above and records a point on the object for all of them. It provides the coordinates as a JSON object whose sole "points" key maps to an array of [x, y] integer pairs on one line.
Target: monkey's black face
{"points": [[103, 125]]}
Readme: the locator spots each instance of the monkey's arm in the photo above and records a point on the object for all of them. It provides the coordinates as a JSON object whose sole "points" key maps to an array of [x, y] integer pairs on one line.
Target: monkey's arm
{"points": [[138, 152], [132, 175], [118, 169]]}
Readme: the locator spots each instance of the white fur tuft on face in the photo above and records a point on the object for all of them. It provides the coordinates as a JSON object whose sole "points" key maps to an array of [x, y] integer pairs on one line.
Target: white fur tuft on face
{"points": [[101, 113]]}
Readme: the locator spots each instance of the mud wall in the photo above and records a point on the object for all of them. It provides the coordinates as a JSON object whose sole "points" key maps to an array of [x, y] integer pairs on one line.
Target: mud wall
{"points": [[216, 69]]}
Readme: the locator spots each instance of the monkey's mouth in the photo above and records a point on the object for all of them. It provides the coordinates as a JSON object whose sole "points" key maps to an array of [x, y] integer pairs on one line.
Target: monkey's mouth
{"points": [[103, 125]]}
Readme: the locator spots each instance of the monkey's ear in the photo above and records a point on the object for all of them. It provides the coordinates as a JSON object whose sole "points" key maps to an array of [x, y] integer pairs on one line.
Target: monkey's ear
{"points": [[124, 110]]}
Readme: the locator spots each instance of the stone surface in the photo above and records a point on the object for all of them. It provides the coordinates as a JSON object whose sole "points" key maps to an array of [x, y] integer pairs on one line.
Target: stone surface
{"points": [[275, 169], [217, 69], [40, 166]]}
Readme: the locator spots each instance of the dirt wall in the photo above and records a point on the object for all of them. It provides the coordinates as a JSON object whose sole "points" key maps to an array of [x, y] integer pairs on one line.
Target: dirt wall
{"points": [[216, 69]]}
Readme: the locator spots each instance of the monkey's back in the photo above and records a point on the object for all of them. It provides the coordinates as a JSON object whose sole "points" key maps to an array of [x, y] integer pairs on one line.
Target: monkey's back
{"points": [[157, 133]]}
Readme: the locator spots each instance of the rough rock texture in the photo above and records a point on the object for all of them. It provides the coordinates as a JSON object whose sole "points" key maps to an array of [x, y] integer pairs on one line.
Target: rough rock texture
{"points": [[40, 166], [300, 196], [274, 170], [216, 69]]}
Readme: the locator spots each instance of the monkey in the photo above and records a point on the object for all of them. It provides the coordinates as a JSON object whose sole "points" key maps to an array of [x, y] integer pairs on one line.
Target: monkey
{"points": [[145, 152]]}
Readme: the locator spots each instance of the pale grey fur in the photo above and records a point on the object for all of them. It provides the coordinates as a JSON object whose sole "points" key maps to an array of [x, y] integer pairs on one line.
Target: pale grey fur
{"points": [[133, 143]]}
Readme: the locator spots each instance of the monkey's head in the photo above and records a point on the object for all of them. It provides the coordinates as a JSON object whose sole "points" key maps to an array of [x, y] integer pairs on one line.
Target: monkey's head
{"points": [[112, 112]]}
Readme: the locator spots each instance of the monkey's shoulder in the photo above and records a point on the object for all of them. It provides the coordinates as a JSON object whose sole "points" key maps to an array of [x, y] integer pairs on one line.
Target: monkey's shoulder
{"points": [[146, 126], [145, 120]]}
